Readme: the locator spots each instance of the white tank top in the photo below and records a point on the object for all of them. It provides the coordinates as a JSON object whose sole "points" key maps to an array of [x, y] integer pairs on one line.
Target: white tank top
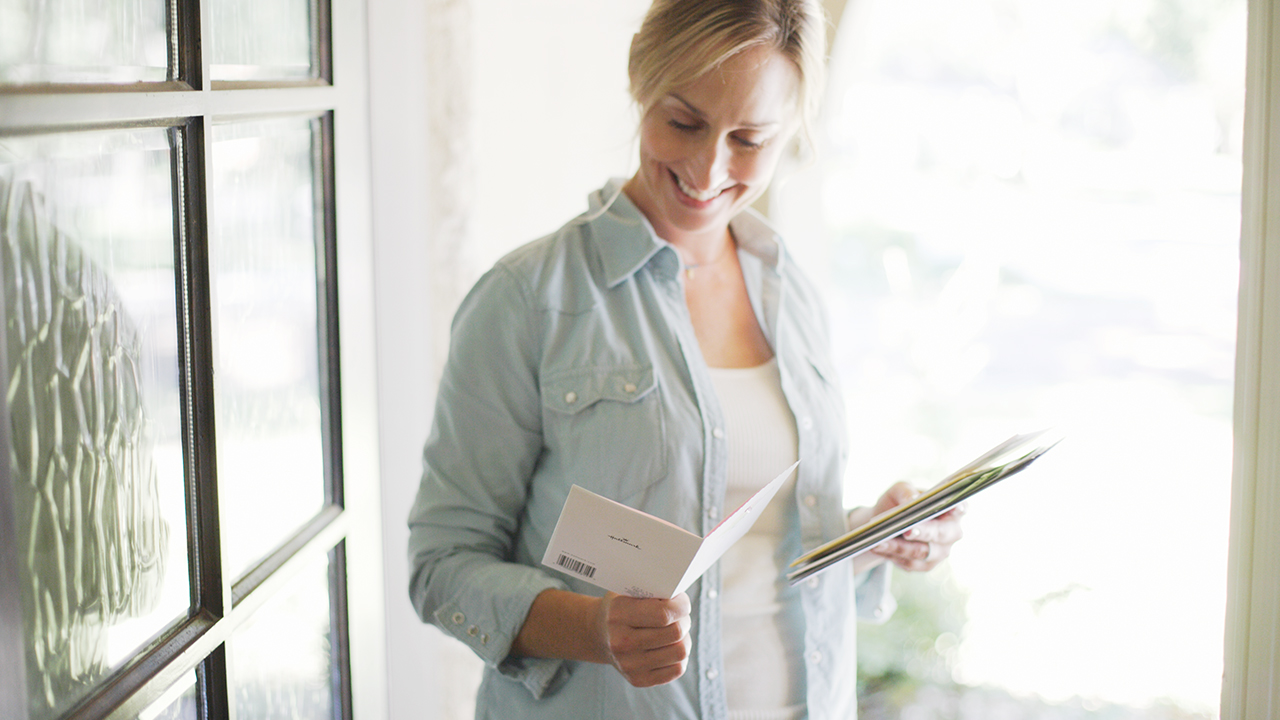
{"points": [[760, 614]]}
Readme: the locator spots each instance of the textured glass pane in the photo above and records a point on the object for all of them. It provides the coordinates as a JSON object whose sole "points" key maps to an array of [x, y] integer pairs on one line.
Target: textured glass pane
{"points": [[177, 703], [281, 660], [78, 41], [86, 233], [261, 39], [271, 476]]}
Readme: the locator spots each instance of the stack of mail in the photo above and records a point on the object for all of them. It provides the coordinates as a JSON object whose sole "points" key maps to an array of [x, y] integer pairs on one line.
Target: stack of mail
{"points": [[1000, 462]]}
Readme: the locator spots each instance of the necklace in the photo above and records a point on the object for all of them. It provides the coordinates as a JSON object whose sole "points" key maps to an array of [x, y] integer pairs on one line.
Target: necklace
{"points": [[690, 267]]}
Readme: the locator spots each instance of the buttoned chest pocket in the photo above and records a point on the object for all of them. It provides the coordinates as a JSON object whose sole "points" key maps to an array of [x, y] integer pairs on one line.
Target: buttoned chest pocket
{"points": [[604, 428]]}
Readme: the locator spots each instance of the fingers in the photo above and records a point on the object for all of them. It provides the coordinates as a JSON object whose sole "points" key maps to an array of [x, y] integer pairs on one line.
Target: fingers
{"points": [[897, 494], [942, 529], [648, 667], [648, 639], [911, 555], [649, 612], [906, 554], [926, 545], [627, 640]]}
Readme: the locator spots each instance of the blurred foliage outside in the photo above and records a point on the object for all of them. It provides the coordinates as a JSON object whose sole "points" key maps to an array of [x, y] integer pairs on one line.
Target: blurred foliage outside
{"points": [[1031, 215], [905, 667]]}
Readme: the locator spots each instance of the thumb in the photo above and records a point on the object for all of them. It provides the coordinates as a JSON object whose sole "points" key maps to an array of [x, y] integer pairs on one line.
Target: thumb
{"points": [[897, 494]]}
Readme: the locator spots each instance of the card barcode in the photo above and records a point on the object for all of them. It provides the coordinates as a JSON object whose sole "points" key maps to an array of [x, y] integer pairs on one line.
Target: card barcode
{"points": [[575, 566]]}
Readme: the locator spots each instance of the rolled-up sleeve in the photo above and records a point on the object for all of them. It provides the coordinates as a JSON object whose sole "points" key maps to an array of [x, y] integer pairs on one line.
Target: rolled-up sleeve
{"points": [[485, 442]]}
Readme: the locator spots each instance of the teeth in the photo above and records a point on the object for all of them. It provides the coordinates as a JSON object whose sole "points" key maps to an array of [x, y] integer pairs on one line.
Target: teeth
{"points": [[696, 195]]}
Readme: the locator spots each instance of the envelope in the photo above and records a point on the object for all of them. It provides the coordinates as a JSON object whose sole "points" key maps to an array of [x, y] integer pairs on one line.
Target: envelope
{"points": [[630, 552]]}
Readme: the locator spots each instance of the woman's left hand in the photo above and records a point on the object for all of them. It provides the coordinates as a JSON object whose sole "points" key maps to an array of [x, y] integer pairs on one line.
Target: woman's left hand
{"points": [[924, 546]]}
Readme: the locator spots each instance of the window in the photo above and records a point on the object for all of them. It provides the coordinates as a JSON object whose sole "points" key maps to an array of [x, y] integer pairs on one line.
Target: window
{"points": [[185, 480], [1031, 217]]}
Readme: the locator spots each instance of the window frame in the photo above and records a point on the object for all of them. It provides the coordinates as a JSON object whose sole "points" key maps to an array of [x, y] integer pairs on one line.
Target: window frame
{"points": [[1249, 688], [347, 532]]}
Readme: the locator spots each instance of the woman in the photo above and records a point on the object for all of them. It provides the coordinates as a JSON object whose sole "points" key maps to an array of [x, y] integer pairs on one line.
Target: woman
{"points": [[663, 351]]}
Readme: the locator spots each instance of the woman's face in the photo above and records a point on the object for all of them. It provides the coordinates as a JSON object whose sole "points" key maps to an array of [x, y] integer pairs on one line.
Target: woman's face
{"points": [[710, 148]]}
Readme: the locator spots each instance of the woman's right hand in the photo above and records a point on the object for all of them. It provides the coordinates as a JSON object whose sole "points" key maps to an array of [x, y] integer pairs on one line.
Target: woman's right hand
{"points": [[646, 639]]}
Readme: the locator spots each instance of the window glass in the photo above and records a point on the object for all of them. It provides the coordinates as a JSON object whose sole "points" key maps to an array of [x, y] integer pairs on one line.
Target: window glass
{"points": [[1030, 217], [78, 41], [86, 232], [261, 39], [266, 382], [281, 661]]}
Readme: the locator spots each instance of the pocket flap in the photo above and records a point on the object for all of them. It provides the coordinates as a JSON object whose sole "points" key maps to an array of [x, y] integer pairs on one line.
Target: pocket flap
{"points": [[574, 391]]}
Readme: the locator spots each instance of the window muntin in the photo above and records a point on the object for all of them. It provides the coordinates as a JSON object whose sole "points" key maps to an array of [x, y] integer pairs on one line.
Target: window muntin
{"points": [[179, 702]]}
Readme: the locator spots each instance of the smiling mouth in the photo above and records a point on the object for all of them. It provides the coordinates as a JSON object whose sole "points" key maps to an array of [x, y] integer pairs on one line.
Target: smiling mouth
{"points": [[700, 196]]}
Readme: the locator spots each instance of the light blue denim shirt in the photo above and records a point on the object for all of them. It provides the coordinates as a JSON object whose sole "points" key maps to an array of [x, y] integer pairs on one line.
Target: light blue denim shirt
{"points": [[574, 361]]}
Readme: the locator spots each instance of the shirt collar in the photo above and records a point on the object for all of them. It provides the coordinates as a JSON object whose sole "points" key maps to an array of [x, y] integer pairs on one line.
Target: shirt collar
{"points": [[623, 236], [631, 241], [756, 236]]}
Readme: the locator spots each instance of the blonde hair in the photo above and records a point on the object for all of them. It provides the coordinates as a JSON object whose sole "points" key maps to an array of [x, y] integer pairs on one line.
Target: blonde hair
{"points": [[682, 40]]}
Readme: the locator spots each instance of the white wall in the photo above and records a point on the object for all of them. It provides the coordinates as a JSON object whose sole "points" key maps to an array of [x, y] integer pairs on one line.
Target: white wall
{"points": [[398, 108], [553, 119], [491, 120]]}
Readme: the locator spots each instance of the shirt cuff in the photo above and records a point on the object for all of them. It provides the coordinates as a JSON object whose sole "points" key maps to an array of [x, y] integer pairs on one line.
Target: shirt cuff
{"points": [[538, 675], [874, 600], [488, 626]]}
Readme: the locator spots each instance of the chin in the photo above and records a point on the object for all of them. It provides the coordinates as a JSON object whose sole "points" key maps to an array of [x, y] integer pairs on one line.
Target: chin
{"points": [[692, 220], [706, 212]]}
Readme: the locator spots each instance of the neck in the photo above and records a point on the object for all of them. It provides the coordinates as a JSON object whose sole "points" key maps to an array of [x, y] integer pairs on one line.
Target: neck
{"points": [[700, 250]]}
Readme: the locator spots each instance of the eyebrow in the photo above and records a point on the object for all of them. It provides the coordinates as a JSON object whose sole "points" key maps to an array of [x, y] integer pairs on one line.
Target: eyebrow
{"points": [[693, 109]]}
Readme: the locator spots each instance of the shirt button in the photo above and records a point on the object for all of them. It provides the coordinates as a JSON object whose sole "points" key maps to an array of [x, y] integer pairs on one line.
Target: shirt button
{"points": [[629, 387], [571, 397], [806, 423], [473, 631], [815, 657], [810, 500], [713, 513], [484, 638], [713, 593], [717, 433], [712, 674], [459, 618], [814, 582]]}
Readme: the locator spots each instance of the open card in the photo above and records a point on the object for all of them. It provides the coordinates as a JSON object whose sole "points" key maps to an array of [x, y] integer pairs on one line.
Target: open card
{"points": [[630, 552]]}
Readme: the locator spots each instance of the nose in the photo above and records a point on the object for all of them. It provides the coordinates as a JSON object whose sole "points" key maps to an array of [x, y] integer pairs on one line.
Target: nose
{"points": [[710, 163]]}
